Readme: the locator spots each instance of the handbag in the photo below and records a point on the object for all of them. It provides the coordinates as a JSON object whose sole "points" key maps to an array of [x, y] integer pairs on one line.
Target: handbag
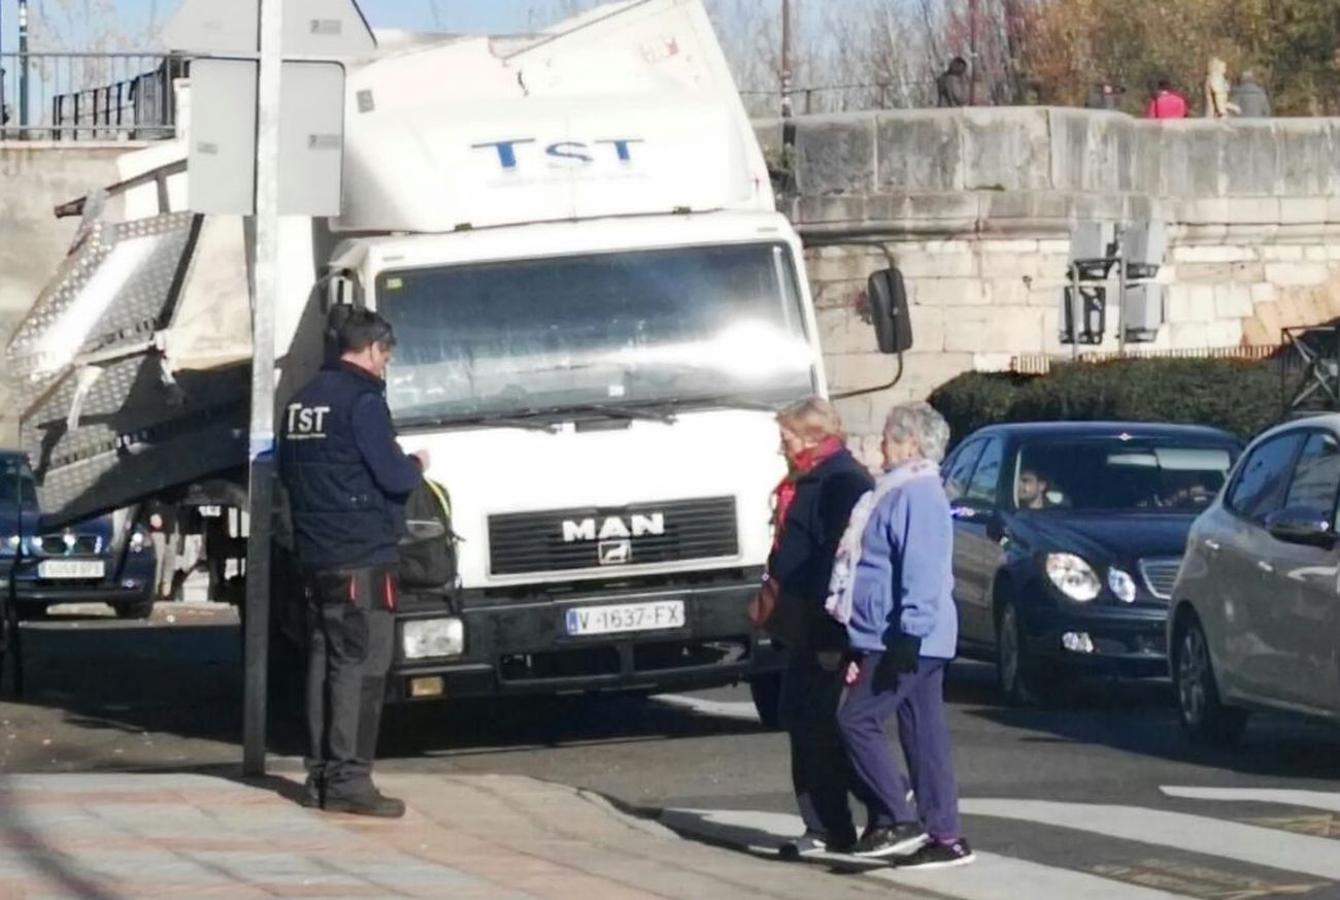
{"points": [[763, 605]]}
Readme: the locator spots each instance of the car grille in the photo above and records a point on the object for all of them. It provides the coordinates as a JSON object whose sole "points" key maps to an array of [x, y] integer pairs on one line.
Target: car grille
{"points": [[67, 545], [591, 537], [1160, 575]]}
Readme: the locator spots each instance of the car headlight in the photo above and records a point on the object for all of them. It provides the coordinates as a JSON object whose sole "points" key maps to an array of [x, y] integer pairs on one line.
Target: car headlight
{"points": [[138, 542], [9, 545], [1073, 576], [425, 638], [1120, 582]]}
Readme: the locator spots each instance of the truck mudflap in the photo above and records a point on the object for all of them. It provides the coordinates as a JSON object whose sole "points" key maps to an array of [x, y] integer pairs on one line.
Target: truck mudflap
{"points": [[687, 637]]}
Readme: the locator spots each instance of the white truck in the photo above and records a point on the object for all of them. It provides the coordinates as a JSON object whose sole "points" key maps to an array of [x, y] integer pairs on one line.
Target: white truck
{"points": [[598, 310]]}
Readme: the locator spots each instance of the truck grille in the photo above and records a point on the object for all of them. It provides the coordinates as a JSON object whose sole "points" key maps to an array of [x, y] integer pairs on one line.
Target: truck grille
{"points": [[1160, 575], [610, 538]]}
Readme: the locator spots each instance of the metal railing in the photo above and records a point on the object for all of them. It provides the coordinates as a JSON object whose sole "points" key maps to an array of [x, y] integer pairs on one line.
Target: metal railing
{"points": [[88, 96]]}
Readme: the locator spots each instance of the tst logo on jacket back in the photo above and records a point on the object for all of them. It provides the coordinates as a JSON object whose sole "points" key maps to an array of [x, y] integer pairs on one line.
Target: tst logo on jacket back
{"points": [[306, 423]]}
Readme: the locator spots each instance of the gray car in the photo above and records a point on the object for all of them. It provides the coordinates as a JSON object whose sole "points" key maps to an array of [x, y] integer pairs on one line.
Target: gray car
{"points": [[1256, 607]]}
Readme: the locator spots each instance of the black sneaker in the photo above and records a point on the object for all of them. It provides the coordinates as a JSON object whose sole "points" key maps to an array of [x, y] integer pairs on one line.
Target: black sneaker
{"points": [[939, 855], [899, 840], [812, 843], [373, 804], [311, 793]]}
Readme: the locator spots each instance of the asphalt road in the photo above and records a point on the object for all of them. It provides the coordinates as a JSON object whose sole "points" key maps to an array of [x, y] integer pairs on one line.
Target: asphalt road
{"points": [[1100, 798]]}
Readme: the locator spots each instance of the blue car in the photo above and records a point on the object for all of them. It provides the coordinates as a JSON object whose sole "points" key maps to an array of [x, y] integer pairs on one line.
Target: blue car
{"points": [[109, 559], [1067, 540]]}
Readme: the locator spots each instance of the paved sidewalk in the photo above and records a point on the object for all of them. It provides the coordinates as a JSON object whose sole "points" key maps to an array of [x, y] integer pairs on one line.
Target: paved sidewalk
{"points": [[150, 835]]}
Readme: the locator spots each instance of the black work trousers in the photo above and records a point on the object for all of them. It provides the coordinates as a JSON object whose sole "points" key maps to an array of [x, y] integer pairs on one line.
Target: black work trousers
{"points": [[351, 639], [821, 771]]}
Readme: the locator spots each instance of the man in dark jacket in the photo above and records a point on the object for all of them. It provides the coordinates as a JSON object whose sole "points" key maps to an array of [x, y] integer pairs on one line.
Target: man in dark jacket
{"points": [[952, 85], [1250, 98], [347, 481]]}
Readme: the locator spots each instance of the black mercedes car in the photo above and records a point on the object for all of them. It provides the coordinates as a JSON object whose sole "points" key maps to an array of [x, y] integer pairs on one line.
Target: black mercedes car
{"points": [[1067, 540]]}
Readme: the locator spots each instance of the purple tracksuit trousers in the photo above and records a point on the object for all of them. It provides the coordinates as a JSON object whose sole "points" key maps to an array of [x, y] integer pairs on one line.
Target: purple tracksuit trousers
{"points": [[918, 700]]}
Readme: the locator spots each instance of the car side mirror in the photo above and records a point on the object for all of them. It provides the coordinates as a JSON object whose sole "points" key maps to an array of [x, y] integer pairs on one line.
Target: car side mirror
{"points": [[1300, 525], [889, 312]]}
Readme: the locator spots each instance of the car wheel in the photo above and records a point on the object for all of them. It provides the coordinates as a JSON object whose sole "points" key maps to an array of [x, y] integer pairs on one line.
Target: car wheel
{"points": [[767, 693], [1203, 715], [1023, 679], [136, 609]]}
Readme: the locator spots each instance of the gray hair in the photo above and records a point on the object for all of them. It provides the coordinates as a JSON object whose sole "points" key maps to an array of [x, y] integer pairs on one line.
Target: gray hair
{"points": [[920, 423]]}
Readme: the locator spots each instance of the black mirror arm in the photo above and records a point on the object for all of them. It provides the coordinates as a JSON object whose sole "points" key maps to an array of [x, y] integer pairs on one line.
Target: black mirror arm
{"points": [[898, 376]]}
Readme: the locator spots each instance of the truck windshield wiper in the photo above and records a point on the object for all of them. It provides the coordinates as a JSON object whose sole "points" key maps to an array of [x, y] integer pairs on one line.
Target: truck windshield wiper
{"points": [[653, 411], [730, 401], [522, 419]]}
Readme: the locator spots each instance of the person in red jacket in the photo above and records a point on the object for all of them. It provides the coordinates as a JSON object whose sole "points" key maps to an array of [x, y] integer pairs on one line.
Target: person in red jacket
{"points": [[1166, 103]]}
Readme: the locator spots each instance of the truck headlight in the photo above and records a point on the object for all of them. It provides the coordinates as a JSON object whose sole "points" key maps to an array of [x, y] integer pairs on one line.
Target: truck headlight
{"points": [[426, 638], [1073, 576]]}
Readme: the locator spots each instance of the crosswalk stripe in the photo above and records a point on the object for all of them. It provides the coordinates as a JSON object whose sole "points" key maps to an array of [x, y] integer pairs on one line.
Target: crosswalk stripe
{"points": [[725, 709], [991, 877], [1195, 834], [1311, 799]]}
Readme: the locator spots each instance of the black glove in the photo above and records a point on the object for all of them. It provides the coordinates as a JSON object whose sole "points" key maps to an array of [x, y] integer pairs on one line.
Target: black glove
{"points": [[900, 658]]}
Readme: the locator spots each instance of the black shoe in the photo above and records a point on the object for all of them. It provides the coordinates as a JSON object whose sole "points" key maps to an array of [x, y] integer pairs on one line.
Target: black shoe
{"points": [[939, 855], [373, 804], [812, 843], [311, 794], [899, 840]]}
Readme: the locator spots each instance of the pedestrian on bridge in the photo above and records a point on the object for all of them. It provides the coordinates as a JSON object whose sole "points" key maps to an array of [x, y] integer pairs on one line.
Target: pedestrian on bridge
{"points": [[892, 587], [810, 508]]}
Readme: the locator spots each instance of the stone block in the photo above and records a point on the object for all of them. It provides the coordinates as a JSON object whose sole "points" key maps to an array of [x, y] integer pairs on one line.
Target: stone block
{"points": [[991, 330], [1263, 292], [919, 151], [1252, 210], [941, 292], [1212, 254], [1251, 159], [832, 324], [1005, 148], [1319, 253], [1281, 252], [841, 293], [1191, 303], [1249, 272], [835, 154], [938, 265], [1286, 274], [1302, 210], [1255, 334], [1012, 265], [928, 329], [1233, 301]]}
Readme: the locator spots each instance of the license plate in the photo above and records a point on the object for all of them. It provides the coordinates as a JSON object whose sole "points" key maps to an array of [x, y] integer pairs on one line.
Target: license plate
{"points": [[70, 568], [625, 617]]}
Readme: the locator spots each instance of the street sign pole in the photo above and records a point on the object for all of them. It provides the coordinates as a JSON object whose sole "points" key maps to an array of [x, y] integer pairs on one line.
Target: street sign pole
{"points": [[264, 296]]}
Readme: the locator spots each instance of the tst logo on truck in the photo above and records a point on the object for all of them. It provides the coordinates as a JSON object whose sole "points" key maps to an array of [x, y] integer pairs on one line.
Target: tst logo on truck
{"points": [[562, 153]]}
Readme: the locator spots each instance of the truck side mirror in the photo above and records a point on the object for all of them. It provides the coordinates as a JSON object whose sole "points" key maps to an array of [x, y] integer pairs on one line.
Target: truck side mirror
{"points": [[888, 311]]}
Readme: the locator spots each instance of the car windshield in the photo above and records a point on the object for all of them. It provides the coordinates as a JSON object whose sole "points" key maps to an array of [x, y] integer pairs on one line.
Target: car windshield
{"points": [[607, 330], [1113, 474], [15, 478]]}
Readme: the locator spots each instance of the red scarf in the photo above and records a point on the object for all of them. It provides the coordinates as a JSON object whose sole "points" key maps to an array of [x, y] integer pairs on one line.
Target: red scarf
{"points": [[805, 461]]}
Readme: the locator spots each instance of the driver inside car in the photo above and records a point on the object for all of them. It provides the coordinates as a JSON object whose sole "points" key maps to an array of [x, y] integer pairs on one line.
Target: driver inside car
{"points": [[1032, 490]]}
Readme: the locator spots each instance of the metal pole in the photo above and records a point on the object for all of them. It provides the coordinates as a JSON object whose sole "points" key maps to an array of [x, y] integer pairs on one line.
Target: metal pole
{"points": [[972, 52], [1076, 310], [1121, 293], [23, 62], [265, 290], [786, 59]]}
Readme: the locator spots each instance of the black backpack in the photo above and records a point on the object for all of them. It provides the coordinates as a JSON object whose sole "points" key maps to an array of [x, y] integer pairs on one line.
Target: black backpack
{"points": [[428, 562]]}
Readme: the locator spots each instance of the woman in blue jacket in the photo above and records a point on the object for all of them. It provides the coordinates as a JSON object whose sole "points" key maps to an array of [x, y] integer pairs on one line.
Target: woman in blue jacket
{"points": [[811, 506], [892, 587]]}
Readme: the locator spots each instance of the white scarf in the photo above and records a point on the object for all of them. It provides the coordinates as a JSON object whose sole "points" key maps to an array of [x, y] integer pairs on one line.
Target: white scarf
{"points": [[840, 586]]}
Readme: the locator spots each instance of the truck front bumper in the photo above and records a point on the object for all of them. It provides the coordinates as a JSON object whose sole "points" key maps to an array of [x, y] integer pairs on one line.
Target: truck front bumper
{"points": [[522, 646]]}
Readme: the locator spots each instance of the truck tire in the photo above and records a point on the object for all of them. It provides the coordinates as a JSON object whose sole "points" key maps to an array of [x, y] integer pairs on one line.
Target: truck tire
{"points": [[767, 693], [135, 609]]}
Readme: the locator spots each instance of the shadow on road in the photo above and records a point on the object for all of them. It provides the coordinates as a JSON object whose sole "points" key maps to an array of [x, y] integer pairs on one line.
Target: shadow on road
{"points": [[1140, 717], [100, 675]]}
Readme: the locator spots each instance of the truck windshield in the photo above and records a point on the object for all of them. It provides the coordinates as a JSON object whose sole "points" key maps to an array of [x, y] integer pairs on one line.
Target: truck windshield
{"points": [[613, 329]]}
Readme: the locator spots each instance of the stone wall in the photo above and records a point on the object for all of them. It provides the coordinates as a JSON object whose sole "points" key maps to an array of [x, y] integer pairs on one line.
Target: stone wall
{"points": [[35, 176], [977, 206]]}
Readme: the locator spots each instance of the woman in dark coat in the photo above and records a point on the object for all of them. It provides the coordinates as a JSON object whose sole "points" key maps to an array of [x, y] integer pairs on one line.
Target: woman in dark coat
{"points": [[811, 506]]}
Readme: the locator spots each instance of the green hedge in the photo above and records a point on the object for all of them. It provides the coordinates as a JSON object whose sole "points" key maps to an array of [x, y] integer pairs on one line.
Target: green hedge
{"points": [[1237, 395]]}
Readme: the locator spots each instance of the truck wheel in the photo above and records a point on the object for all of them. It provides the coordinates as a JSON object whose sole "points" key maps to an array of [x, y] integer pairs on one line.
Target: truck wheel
{"points": [[1205, 718], [767, 693], [135, 609]]}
